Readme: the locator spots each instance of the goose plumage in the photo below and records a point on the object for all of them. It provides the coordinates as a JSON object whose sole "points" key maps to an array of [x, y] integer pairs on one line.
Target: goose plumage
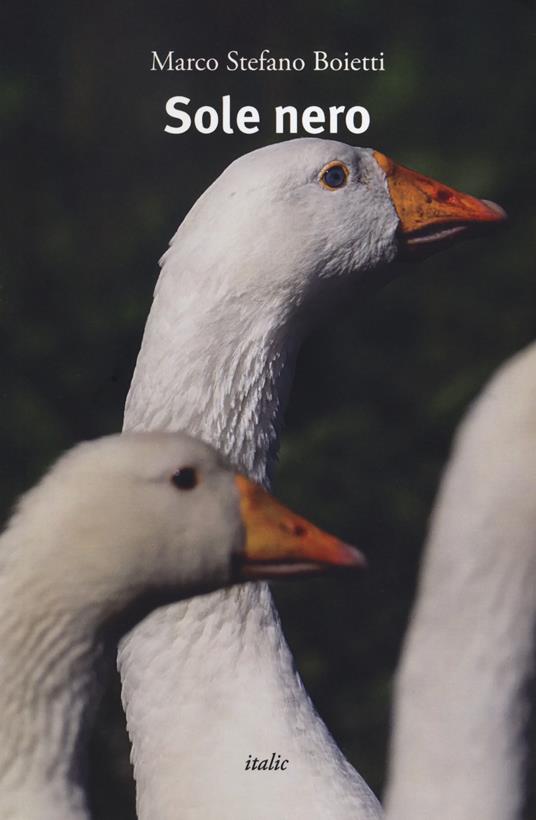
{"points": [[259, 256], [461, 703], [118, 527]]}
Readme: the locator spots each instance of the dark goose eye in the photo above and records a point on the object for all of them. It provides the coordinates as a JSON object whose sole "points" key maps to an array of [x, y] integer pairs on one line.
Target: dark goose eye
{"points": [[185, 478], [334, 176]]}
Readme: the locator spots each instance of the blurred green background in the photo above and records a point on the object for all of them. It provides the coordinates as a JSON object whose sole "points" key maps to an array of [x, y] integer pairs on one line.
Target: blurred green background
{"points": [[94, 188]]}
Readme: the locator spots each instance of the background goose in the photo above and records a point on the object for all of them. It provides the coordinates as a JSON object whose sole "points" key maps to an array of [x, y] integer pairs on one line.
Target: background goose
{"points": [[118, 527], [458, 749], [280, 233]]}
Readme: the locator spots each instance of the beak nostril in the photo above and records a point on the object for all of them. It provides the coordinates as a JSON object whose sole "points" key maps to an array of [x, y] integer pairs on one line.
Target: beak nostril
{"points": [[443, 195], [293, 528]]}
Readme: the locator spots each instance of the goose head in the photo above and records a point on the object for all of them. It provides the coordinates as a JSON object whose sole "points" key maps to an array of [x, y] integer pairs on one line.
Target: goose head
{"points": [[117, 528], [284, 222], [129, 517]]}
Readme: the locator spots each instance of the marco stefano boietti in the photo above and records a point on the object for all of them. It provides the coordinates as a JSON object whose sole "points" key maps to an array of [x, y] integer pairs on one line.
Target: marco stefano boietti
{"points": [[265, 61]]}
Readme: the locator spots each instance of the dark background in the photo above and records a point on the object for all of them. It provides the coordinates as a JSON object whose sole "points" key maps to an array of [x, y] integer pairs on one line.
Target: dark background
{"points": [[94, 188]]}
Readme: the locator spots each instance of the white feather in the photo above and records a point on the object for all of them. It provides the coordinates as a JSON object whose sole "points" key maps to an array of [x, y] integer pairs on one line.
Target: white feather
{"points": [[207, 684], [461, 697], [104, 529]]}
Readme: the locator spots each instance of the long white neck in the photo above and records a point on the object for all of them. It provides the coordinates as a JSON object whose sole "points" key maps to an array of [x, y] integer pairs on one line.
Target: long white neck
{"points": [[208, 683], [214, 371], [48, 686], [460, 707]]}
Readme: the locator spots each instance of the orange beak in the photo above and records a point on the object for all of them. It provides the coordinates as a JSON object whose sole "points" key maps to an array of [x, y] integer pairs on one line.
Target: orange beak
{"points": [[280, 543], [431, 214]]}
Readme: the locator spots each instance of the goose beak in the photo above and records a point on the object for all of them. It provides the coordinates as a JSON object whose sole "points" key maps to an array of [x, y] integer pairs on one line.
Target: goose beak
{"points": [[432, 215], [281, 543]]}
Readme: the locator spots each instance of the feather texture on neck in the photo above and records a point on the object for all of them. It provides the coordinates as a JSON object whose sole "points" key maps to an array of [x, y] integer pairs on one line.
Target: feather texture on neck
{"points": [[48, 694], [458, 748], [231, 373], [209, 682]]}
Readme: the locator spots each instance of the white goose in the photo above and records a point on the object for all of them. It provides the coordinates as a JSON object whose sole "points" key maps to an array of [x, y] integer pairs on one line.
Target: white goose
{"points": [[118, 527], [267, 246], [458, 747]]}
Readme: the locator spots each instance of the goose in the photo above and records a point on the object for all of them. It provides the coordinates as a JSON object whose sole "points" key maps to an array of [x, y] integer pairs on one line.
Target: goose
{"points": [[118, 527], [460, 708], [284, 231]]}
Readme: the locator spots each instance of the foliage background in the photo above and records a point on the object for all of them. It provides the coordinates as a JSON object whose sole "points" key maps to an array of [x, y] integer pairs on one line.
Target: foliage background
{"points": [[93, 189]]}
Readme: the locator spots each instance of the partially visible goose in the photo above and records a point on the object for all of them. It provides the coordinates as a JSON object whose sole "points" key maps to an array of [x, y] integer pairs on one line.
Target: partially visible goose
{"points": [[458, 748], [281, 233], [117, 528]]}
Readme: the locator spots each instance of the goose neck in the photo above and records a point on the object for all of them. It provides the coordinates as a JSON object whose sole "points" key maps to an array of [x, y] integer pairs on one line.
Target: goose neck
{"points": [[49, 662], [458, 747], [219, 371]]}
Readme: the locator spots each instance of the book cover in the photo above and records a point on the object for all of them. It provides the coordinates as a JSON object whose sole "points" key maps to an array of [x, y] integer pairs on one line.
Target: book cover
{"points": [[115, 120]]}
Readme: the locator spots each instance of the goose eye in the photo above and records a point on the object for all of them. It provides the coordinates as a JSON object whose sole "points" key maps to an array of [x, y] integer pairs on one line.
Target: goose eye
{"points": [[185, 478], [334, 176]]}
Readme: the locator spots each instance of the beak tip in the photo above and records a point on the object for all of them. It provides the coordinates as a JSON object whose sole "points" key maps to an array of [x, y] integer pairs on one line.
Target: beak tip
{"points": [[352, 558], [498, 212]]}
